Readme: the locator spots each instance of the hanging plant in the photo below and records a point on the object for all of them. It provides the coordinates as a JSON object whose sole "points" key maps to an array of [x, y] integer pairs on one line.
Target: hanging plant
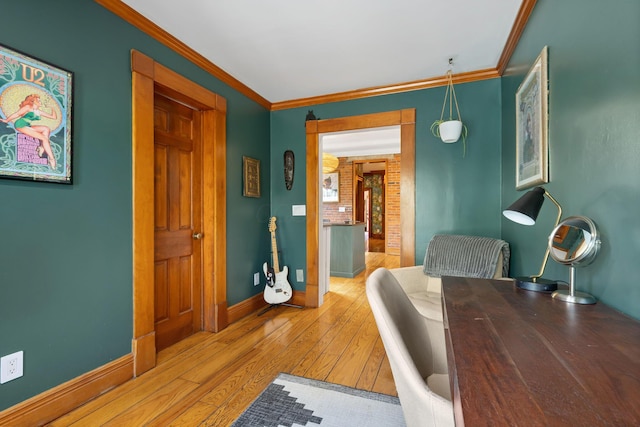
{"points": [[450, 130]]}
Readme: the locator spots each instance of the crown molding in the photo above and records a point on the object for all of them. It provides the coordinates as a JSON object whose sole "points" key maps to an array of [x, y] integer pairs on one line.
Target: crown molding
{"points": [[514, 36], [137, 20], [386, 90], [512, 41], [134, 18]]}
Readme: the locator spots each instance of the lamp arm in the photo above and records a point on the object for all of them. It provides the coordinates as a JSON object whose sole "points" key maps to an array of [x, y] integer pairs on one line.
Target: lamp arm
{"points": [[546, 253]]}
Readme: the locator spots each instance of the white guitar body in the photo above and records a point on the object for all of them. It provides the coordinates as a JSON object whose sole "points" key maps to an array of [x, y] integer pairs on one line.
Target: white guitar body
{"points": [[281, 290], [278, 289]]}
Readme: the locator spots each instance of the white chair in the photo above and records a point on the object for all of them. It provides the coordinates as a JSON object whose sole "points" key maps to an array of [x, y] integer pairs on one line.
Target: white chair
{"points": [[411, 342]]}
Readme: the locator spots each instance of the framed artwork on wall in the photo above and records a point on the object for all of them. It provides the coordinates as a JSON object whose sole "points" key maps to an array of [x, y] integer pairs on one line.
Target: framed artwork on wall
{"points": [[532, 126], [250, 177], [330, 187], [35, 119]]}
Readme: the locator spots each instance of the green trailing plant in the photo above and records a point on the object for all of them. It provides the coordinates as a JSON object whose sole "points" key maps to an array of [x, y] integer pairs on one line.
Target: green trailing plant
{"points": [[435, 131]]}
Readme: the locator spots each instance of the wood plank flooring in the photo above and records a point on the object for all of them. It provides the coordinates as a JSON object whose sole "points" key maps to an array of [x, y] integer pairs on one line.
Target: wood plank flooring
{"points": [[375, 245], [209, 379]]}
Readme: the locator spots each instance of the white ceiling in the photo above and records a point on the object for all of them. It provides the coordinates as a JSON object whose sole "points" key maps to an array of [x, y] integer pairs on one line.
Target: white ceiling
{"points": [[292, 49]]}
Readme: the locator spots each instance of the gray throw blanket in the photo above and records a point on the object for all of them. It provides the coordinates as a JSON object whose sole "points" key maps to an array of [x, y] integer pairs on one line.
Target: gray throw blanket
{"points": [[465, 256]]}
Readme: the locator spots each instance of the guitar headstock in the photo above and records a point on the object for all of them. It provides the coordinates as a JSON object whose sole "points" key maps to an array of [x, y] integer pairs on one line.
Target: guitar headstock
{"points": [[272, 224]]}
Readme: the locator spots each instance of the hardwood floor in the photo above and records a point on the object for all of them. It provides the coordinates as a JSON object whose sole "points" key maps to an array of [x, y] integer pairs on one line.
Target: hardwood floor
{"points": [[375, 245], [209, 379]]}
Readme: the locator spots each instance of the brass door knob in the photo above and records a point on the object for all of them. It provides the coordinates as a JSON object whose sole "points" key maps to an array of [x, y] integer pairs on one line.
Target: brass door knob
{"points": [[197, 236]]}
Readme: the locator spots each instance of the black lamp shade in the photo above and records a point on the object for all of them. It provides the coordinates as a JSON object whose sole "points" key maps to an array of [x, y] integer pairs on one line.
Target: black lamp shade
{"points": [[525, 210]]}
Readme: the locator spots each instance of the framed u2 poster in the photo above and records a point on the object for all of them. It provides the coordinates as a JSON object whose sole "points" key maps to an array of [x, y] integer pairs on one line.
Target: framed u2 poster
{"points": [[35, 119]]}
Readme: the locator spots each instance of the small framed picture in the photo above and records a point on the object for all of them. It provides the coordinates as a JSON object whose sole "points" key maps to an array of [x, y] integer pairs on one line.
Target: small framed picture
{"points": [[532, 149], [35, 119], [330, 187], [251, 177]]}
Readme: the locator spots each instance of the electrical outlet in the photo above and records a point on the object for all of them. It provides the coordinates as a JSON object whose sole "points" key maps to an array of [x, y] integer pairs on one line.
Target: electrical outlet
{"points": [[11, 367], [256, 279], [299, 275]]}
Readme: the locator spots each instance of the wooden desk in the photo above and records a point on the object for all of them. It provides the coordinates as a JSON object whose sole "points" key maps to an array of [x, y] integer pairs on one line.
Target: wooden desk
{"points": [[521, 358]]}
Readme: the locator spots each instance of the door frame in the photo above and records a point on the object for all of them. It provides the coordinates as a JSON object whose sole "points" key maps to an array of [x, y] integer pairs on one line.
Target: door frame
{"points": [[367, 217], [406, 119], [386, 205], [147, 75]]}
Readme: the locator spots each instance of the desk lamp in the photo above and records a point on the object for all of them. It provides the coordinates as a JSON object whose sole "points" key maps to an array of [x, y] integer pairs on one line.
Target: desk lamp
{"points": [[525, 211]]}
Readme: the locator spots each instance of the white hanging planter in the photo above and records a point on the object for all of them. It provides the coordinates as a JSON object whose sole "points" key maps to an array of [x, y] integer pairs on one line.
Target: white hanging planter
{"points": [[450, 131]]}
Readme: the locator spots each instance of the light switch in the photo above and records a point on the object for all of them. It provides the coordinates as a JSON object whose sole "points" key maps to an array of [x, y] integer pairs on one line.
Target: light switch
{"points": [[299, 210]]}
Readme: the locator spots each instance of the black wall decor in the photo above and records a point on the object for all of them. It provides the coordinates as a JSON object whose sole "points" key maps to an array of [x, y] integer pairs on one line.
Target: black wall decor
{"points": [[311, 116], [289, 165]]}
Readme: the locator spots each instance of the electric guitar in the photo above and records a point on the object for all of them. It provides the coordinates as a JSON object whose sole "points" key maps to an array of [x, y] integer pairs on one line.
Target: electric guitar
{"points": [[278, 289]]}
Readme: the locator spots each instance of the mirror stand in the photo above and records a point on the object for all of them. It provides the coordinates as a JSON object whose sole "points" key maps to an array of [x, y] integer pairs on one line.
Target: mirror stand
{"points": [[574, 242], [571, 295]]}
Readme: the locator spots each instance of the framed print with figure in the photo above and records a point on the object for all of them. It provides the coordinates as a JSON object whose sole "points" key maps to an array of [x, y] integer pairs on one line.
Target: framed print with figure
{"points": [[532, 123], [35, 119]]}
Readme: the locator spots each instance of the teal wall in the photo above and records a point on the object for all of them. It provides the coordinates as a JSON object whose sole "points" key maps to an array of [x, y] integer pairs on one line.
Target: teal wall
{"points": [[66, 256], [453, 194], [594, 123]]}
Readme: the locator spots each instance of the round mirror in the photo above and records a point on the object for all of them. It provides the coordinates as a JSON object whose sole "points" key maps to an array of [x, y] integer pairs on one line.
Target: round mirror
{"points": [[574, 241]]}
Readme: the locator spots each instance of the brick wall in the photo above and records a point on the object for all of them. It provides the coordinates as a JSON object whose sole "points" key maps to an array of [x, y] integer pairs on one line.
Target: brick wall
{"points": [[392, 227], [331, 211]]}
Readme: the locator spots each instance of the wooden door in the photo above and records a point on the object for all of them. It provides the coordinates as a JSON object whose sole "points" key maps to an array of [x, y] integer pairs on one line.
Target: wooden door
{"points": [[178, 221]]}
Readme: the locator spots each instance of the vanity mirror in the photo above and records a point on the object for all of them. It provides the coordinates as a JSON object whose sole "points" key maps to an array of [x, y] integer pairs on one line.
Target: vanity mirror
{"points": [[574, 242]]}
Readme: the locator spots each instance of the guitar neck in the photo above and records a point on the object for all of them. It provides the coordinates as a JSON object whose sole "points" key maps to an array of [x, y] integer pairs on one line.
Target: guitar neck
{"points": [[274, 249]]}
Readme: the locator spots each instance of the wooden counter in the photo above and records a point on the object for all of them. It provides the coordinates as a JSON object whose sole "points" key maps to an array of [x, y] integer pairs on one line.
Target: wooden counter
{"points": [[521, 358]]}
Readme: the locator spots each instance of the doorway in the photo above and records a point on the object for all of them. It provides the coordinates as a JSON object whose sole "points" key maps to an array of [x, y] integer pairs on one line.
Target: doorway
{"points": [[371, 197], [375, 185], [147, 77], [403, 118]]}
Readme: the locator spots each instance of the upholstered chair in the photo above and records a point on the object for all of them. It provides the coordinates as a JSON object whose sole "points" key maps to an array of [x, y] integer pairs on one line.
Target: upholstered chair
{"points": [[418, 360]]}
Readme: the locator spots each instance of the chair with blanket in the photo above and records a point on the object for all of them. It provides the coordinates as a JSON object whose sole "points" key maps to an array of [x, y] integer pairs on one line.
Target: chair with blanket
{"points": [[419, 370], [451, 255]]}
